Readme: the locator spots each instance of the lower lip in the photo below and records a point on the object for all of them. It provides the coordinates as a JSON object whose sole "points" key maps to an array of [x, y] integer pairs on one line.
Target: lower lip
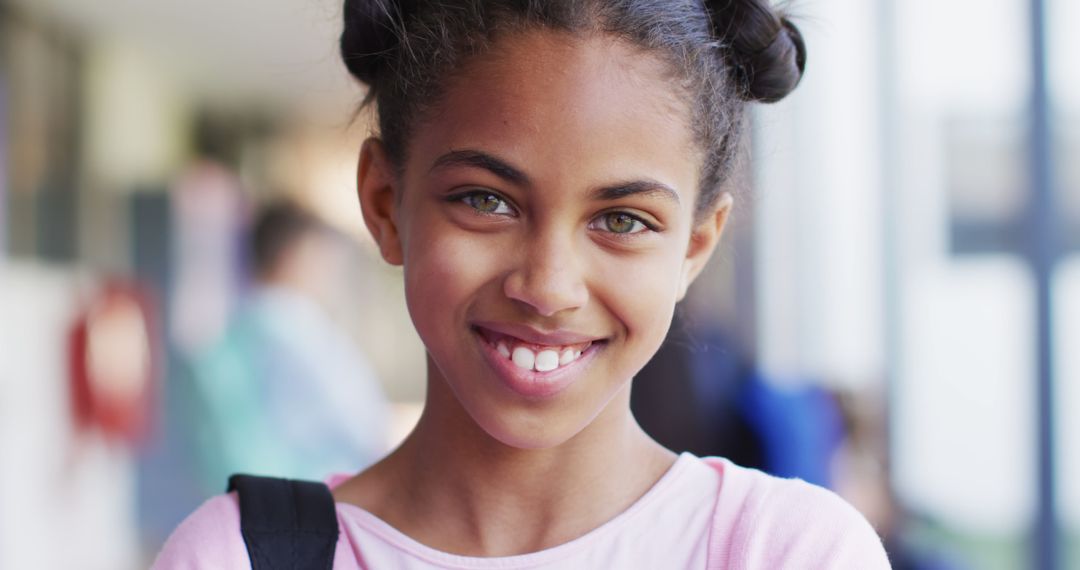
{"points": [[530, 383]]}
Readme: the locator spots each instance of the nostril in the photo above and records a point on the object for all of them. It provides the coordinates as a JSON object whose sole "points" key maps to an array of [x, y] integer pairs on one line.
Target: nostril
{"points": [[548, 292]]}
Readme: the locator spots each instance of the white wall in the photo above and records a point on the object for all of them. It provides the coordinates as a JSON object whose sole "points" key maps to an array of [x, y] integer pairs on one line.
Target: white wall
{"points": [[817, 181]]}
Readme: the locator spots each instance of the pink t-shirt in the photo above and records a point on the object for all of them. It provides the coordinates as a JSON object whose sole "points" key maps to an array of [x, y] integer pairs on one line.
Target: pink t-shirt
{"points": [[703, 513]]}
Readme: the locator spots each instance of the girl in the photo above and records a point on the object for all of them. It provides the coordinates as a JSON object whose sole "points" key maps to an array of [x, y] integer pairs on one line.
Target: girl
{"points": [[549, 175]]}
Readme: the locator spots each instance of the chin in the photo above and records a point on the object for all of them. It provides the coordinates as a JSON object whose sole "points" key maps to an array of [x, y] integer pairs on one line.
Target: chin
{"points": [[528, 433], [539, 425]]}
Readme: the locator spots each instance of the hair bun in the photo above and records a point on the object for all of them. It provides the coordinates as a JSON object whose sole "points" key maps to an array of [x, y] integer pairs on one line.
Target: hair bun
{"points": [[370, 35], [766, 50]]}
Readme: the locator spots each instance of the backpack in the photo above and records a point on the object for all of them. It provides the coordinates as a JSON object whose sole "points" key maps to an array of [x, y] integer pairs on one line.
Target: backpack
{"points": [[286, 524]]}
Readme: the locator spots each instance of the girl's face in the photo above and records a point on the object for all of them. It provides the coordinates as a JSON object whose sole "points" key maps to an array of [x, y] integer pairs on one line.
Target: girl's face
{"points": [[545, 221]]}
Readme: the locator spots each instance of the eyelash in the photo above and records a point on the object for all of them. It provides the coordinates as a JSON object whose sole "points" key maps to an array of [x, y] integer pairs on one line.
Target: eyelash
{"points": [[640, 225]]}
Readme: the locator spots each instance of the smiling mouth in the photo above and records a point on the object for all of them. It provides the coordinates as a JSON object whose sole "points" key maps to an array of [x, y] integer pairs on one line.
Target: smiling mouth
{"points": [[532, 356]]}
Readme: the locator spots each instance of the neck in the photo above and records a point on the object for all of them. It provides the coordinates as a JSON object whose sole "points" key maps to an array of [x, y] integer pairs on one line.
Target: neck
{"points": [[472, 494]]}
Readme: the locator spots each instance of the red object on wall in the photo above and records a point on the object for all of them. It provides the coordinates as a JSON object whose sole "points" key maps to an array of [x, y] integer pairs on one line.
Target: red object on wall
{"points": [[114, 362]]}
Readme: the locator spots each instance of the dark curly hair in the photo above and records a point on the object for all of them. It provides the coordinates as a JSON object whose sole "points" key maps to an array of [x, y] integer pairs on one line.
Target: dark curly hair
{"points": [[722, 53]]}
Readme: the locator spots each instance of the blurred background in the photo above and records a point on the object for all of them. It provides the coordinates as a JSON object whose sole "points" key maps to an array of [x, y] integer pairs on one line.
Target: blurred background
{"points": [[891, 315]]}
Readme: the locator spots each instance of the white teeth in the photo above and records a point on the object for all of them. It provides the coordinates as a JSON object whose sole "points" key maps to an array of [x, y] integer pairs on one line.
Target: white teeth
{"points": [[547, 360], [544, 361], [523, 358]]}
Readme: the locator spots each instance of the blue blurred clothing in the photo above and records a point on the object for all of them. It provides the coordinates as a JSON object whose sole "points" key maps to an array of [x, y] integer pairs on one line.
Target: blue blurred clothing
{"points": [[286, 393], [800, 428], [699, 394]]}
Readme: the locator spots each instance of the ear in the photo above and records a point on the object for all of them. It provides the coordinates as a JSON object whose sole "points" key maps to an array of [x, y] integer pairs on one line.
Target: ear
{"points": [[703, 241], [376, 184]]}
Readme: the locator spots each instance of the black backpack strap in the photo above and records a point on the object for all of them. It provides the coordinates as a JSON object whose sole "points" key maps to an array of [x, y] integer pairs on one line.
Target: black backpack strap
{"points": [[286, 523]]}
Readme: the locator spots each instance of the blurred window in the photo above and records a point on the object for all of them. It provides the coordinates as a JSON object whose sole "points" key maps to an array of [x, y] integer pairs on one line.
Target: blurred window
{"points": [[1063, 46]]}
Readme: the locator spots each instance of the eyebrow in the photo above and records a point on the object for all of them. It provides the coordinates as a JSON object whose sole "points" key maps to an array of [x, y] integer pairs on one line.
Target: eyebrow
{"points": [[503, 169], [636, 188], [478, 159]]}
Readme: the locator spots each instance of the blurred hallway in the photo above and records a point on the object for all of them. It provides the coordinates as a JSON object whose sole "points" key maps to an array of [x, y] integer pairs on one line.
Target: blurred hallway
{"points": [[875, 300]]}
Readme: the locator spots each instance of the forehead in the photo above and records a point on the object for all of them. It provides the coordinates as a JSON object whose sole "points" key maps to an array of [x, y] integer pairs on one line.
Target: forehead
{"points": [[567, 106]]}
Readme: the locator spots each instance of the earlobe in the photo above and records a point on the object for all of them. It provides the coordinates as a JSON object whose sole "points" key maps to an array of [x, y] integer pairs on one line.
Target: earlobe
{"points": [[376, 183], [703, 241]]}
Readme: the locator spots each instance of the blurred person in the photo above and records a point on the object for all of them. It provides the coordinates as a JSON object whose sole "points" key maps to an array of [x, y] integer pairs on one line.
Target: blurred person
{"points": [[862, 476], [700, 395], [549, 175], [285, 392]]}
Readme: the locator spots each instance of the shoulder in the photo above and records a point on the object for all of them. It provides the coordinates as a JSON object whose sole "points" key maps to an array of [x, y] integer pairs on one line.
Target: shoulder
{"points": [[762, 521], [208, 538]]}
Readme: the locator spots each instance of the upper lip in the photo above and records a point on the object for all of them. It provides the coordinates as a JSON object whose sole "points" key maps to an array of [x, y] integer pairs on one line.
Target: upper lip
{"points": [[529, 334]]}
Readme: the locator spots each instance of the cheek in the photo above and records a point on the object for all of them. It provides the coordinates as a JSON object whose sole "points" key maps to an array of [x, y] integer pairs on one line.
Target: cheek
{"points": [[642, 294], [444, 270]]}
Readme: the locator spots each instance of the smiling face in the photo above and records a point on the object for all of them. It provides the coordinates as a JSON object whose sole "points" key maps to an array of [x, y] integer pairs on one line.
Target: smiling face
{"points": [[545, 221]]}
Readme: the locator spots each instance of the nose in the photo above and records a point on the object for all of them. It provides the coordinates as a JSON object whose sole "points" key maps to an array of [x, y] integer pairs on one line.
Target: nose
{"points": [[548, 277]]}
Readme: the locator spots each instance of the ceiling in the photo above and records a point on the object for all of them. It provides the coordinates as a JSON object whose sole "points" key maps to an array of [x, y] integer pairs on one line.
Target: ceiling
{"points": [[243, 50]]}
